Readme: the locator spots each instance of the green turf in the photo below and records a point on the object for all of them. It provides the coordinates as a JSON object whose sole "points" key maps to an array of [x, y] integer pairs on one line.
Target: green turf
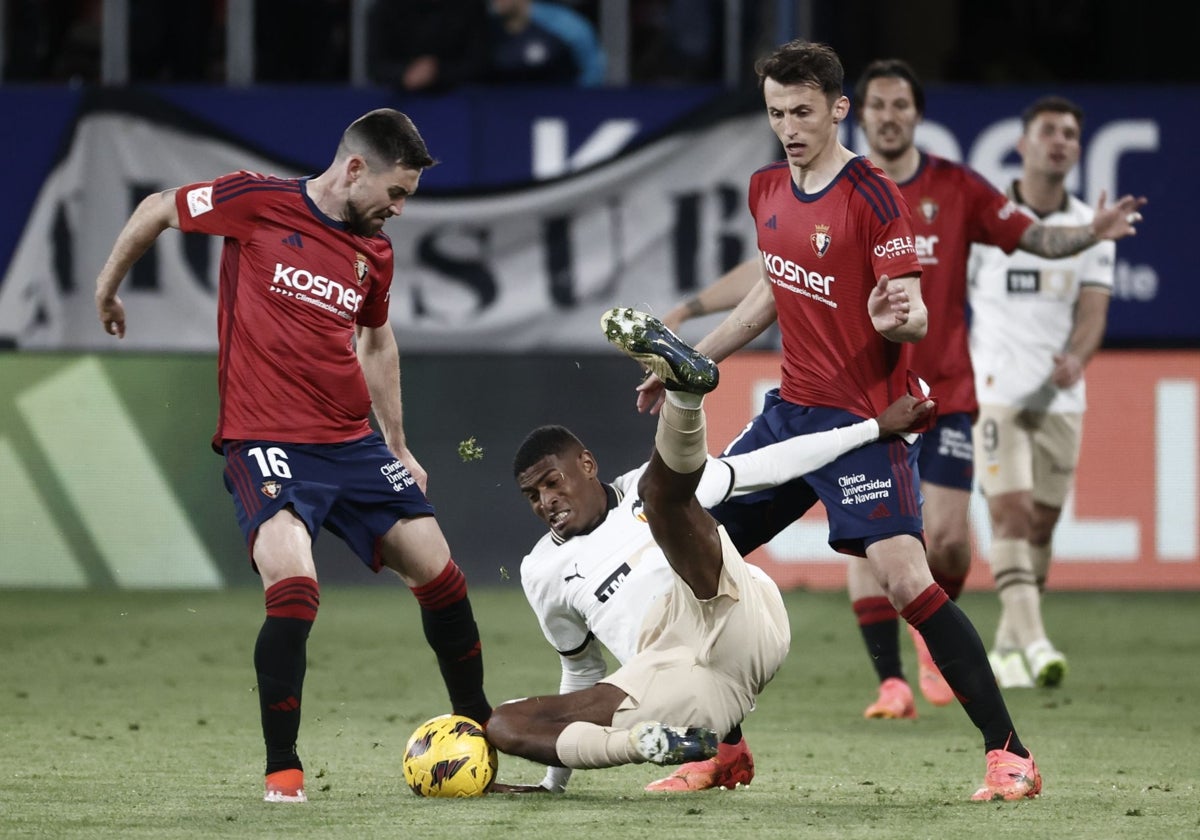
{"points": [[130, 715]]}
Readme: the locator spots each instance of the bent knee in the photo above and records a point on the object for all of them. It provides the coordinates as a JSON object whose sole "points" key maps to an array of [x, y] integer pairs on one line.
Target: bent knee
{"points": [[504, 727], [948, 555]]}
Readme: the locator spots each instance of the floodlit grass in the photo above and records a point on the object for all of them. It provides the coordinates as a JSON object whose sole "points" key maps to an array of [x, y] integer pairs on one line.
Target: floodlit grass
{"points": [[133, 715]]}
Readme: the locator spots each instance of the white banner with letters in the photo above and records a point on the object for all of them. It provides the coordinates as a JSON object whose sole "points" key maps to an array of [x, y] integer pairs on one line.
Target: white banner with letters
{"points": [[507, 272]]}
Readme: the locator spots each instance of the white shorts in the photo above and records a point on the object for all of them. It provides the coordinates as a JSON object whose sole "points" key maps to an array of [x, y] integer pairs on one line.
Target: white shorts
{"points": [[1017, 449], [703, 663]]}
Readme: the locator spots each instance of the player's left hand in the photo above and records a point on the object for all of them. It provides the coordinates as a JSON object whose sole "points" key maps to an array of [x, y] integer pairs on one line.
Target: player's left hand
{"points": [[1119, 220], [888, 305], [1068, 369], [405, 457]]}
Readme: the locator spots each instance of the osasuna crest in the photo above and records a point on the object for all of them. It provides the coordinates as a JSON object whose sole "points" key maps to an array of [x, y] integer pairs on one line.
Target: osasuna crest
{"points": [[271, 489], [820, 240], [360, 268], [928, 208]]}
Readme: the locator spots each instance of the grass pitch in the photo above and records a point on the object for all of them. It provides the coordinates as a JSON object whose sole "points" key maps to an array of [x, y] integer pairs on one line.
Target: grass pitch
{"points": [[133, 715]]}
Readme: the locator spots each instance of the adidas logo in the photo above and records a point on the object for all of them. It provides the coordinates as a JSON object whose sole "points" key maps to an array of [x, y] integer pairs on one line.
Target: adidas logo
{"points": [[771, 223], [294, 240], [290, 704], [881, 512]]}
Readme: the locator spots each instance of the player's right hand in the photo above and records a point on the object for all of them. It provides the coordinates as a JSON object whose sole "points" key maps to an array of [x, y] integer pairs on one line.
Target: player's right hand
{"points": [[1120, 220], [112, 315], [904, 414]]}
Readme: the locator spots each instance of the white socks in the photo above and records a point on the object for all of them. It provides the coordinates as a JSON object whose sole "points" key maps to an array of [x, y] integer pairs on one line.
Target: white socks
{"points": [[587, 746], [1020, 602], [681, 440]]}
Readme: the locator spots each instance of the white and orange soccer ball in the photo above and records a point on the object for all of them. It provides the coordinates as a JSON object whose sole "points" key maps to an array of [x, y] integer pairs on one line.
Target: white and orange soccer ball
{"points": [[448, 756]]}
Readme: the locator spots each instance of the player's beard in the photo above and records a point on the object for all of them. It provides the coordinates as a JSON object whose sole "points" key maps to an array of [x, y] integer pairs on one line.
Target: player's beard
{"points": [[360, 223], [899, 145]]}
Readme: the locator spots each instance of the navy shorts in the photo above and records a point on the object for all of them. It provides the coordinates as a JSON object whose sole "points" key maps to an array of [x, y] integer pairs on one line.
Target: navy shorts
{"points": [[870, 493], [357, 490], [947, 454]]}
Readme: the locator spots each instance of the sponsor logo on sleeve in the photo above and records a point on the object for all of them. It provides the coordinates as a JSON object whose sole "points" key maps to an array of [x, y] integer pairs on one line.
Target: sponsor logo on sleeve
{"points": [[896, 247], [199, 201]]}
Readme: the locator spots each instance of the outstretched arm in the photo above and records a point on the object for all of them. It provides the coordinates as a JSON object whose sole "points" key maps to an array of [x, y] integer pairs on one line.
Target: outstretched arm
{"points": [[750, 317], [152, 216], [721, 295], [1057, 241], [781, 462], [580, 671]]}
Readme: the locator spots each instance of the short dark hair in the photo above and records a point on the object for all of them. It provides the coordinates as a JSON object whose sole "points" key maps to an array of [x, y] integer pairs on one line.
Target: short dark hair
{"points": [[543, 442], [385, 138], [1052, 104], [801, 62], [890, 68]]}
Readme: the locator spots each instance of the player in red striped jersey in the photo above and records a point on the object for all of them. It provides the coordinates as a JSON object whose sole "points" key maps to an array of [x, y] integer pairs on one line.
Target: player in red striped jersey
{"points": [[952, 208], [306, 353], [836, 240]]}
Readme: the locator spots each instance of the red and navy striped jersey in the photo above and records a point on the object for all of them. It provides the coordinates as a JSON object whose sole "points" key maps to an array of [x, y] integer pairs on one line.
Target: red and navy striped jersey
{"points": [[952, 207], [293, 285], [823, 253]]}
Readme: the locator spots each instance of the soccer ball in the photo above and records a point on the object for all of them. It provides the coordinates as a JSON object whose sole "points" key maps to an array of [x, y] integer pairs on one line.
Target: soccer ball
{"points": [[448, 756]]}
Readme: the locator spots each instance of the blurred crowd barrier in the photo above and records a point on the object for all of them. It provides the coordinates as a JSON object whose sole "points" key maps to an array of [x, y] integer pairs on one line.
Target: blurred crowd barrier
{"points": [[108, 480]]}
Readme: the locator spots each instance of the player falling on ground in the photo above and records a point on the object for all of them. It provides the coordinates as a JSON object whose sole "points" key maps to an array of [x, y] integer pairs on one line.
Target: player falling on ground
{"points": [[305, 354], [639, 566]]}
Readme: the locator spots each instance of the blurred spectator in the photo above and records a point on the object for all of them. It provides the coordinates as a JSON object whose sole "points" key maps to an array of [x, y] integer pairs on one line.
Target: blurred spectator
{"points": [[301, 40], [590, 9], [683, 41], [175, 42], [60, 40], [536, 42], [427, 45], [53, 40]]}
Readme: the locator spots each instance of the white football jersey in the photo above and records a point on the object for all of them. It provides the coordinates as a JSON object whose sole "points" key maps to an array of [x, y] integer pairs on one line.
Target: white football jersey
{"points": [[1022, 313], [604, 581]]}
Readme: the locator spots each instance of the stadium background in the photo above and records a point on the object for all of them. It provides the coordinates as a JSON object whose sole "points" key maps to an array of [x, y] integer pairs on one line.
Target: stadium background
{"points": [[506, 260]]}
